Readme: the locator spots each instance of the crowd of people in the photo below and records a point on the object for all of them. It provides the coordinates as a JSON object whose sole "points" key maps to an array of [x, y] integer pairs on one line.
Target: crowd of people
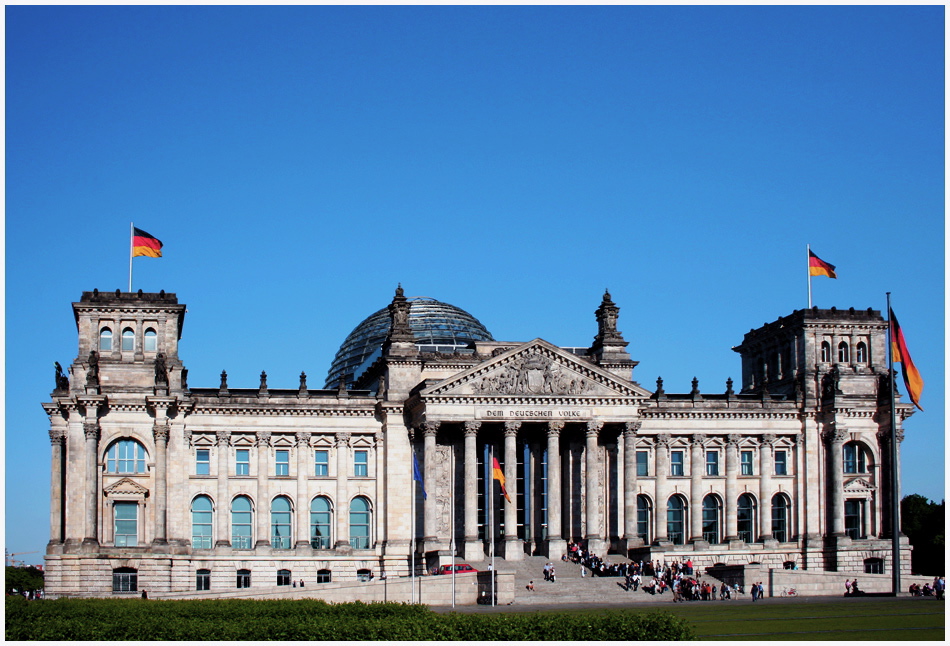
{"points": [[926, 590]]}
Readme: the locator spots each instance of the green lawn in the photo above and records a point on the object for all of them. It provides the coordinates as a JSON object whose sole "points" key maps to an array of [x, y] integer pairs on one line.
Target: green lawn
{"points": [[815, 620]]}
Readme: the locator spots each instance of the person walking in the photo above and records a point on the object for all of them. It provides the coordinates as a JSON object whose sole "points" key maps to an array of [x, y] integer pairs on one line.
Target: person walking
{"points": [[847, 587]]}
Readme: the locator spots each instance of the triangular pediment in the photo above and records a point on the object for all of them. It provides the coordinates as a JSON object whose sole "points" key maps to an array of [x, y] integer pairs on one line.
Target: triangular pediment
{"points": [[125, 486], [855, 485], [535, 369]]}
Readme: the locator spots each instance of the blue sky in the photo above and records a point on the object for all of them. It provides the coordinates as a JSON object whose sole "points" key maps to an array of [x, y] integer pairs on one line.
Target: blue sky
{"points": [[299, 162]]}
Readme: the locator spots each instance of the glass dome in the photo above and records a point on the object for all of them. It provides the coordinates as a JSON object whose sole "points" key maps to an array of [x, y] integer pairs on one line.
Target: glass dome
{"points": [[437, 326]]}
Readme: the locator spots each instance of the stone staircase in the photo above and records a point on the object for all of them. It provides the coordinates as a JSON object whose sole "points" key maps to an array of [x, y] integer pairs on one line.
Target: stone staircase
{"points": [[570, 586]]}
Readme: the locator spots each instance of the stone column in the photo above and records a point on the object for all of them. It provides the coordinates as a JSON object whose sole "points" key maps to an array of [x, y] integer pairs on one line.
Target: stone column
{"points": [[304, 460], [595, 499], [513, 546], [765, 488], [631, 539], [697, 467], [223, 507], [473, 549], [430, 510], [662, 461], [342, 495], [160, 433], [57, 438], [835, 437], [91, 431], [732, 487], [263, 495], [556, 544]]}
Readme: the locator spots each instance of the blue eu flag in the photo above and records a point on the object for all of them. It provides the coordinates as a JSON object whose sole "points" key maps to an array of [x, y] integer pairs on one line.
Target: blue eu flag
{"points": [[416, 475]]}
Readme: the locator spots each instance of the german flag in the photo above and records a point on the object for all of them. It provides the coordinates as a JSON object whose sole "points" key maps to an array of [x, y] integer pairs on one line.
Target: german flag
{"points": [[818, 267], [499, 476], [145, 244], [912, 379]]}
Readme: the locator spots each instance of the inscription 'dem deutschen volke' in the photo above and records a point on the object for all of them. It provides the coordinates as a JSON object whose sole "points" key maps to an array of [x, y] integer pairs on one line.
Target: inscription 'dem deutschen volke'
{"points": [[499, 413]]}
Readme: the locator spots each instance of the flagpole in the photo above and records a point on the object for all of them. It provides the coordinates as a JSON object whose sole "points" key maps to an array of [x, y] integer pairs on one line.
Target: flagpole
{"points": [[412, 527], [452, 521], [895, 481], [491, 521], [131, 250], [808, 271]]}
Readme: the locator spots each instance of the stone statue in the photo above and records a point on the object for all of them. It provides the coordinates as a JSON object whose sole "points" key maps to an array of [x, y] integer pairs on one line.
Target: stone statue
{"points": [[263, 380], [92, 373], [224, 380], [161, 372], [184, 378], [62, 381], [303, 381]]}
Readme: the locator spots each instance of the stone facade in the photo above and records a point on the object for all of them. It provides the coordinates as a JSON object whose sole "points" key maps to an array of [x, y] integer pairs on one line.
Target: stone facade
{"points": [[160, 486]]}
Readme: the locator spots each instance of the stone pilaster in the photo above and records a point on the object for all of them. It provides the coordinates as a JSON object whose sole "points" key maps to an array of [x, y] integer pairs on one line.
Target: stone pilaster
{"points": [[661, 461], [263, 493], [835, 437], [302, 503], [556, 544], [765, 488], [630, 536], [593, 532], [697, 467], [160, 433], [473, 549], [223, 506], [57, 438], [513, 546], [430, 504], [91, 432], [732, 488], [342, 495]]}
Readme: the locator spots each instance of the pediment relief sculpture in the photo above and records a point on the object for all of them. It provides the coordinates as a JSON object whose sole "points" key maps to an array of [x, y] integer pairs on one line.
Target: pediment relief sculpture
{"points": [[533, 374]]}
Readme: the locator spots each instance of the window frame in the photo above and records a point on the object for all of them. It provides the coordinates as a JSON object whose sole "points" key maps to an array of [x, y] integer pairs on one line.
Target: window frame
{"points": [[746, 466], [360, 541], [281, 520], [745, 527], [325, 463], [202, 580], [643, 465], [282, 462], [677, 463], [130, 535], [242, 541], [712, 466], [644, 518], [128, 340], [242, 465], [783, 471], [361, 467], [125, 579], [243, 579], [283, 577], [322, 542], [104, 334], [204, 540], [712, 519], [781, 507], [203, 467], [117, 458], [150, 340], [676, 528]]}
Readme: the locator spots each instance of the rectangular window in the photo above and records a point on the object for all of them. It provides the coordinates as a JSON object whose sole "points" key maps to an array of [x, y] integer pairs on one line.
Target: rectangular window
{"points": [[781, 463], [242, 462], [203, 580], [360, 464], [643, 463], [283, 462], [203, 462], [746, 463], [853, 517], [712, 463], [321, 463], [126, 524], [676, 463], [244, 578]]}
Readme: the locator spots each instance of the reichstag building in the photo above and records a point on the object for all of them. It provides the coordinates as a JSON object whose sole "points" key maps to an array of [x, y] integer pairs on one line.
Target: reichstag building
{"points": [[164, 486]]}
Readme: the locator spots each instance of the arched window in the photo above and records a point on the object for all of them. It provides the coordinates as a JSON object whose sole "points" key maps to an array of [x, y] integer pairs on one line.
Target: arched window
{"points": [[242, 522], [323, 576], [283, 577], [644, 515], [151, 340], [280, 523], [244, 578], [125, 579], [825, 352], [844, 355], [105, 340], [364, 574], [202, 517], [360, 520], [745, 515], [780, 506], [128, 339], [856, 458], [125, 456], [203, 580], [712, 513], [861, 353], [321, 516], [676, 520]]}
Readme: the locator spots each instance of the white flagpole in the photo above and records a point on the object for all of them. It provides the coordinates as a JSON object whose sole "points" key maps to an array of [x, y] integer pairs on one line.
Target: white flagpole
{"points": [[491, 520], [412, 526], [808, 271], [452, 521], [895, 480], [131, 249]]}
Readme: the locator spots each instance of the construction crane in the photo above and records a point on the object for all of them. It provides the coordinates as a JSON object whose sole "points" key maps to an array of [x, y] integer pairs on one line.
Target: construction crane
{"points": [[12, 561]]}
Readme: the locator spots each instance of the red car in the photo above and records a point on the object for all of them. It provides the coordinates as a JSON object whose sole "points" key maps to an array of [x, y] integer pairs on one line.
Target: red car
{"points": [[460, 568]]}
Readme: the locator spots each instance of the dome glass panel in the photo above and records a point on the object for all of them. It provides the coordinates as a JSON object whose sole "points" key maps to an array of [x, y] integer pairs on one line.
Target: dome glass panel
{"points": [[437, 327]]}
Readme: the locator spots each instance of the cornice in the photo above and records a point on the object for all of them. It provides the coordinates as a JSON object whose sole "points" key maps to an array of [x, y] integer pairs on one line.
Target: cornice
{"points": [[530, 400], [654, 414], [270, 411]]}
